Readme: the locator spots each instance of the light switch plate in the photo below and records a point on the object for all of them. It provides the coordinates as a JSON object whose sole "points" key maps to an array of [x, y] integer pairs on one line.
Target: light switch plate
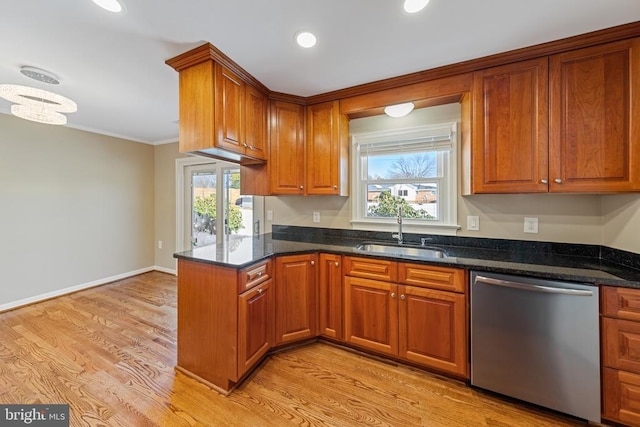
{"points": [[269, 215], [316, 217], [473, 223]]}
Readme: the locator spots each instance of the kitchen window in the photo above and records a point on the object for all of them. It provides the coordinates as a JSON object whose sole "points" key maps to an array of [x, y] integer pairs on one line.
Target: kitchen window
{"points": [[412, 167]]}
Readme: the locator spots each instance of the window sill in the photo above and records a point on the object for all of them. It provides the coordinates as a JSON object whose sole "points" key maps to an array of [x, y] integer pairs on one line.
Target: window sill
{"points": [[407, 227]]}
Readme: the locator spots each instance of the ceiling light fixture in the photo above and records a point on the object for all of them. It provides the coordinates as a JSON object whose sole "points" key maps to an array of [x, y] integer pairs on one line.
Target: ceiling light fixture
{"points": [[37, 105], [399, 110], [305, 39], [40, 75], [412, 6], [110, 5]]}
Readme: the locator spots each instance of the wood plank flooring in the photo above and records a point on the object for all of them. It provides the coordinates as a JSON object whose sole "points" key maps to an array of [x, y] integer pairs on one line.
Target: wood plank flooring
{"points": [[110, 353]]}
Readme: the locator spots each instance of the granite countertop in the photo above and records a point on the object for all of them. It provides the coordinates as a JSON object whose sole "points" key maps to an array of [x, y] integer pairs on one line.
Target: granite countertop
{"points": [[577, 263]]}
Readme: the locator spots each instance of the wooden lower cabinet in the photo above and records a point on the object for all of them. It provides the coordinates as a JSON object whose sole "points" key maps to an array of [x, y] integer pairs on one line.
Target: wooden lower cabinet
{"points": [[255, 325], [222, 332], [371, 314], [433, 329], [418, 324], [621, 391], [330, 296], [295, 298], [621, 355]]}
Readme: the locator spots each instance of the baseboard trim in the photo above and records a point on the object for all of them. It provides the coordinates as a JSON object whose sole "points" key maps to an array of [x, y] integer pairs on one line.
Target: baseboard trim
{"points": [[166, 270], [49, 295]]}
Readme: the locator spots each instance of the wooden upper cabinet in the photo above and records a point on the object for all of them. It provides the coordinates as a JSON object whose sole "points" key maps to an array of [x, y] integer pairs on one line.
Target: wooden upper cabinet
{"points": [[229, 110], [327, 150], [510, 134], [221, 115], [256, 123], [595, 119], [286, 156], [309, 150]]}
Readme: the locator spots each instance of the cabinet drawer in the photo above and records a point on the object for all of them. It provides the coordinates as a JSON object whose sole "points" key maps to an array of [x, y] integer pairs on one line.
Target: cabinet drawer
{"points": [[621, 341], [623, 303], [251, 276], [371, 268], [621, 396], [427, 276]]}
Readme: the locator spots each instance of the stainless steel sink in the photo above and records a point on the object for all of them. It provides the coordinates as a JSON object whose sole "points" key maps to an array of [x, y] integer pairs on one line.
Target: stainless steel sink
{"points": [[395, 250]]}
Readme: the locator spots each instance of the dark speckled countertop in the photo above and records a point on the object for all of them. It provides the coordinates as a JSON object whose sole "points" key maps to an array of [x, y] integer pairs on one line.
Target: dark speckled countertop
{"points": [[557, 261]]}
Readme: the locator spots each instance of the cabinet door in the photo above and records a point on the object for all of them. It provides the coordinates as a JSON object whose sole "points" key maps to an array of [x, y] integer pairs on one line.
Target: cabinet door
{"points": [[621, 396], [510, 136], [595, 109], [286, 154], [371, 314], [433, 329], [330, 295], [296, 312], [229, 110], [256, 112], [327, 148], [255, 326], [621, 342]]}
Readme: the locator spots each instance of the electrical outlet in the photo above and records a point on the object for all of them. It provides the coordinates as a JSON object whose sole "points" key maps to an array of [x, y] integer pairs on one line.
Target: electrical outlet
{"points": [[269, 215], [473, 223], [316, 217], [530, 225], [159, 244]]}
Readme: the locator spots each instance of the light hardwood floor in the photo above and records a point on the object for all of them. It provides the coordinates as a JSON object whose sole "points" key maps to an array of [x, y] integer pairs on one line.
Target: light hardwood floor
{"points": [[110, 351]]}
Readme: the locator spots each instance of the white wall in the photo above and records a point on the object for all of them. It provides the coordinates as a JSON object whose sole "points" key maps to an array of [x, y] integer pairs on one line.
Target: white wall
{"points": [[75, 208]]}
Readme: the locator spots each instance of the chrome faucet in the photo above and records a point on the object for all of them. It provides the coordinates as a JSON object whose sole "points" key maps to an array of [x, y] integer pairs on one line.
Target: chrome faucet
{"points": [[398, 235]]}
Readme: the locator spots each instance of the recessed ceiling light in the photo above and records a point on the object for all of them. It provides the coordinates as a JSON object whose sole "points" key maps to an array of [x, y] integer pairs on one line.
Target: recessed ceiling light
{"points": [[411, 6], [110, 5], [399, 110], [305, 39]]}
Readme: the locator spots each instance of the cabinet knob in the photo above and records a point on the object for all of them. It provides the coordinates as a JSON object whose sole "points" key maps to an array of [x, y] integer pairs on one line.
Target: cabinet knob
{"points": [[302, 187], [260, 290], [252, 147], [337, 264], [313, 263], [259, 273], [393, 294], [335, 187], [544, 181], [245, 144], [402, 296], [558, 181]]}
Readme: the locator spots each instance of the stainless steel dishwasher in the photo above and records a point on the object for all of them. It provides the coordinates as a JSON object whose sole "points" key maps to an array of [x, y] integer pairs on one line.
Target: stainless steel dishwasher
{"points": [[537, 341]]}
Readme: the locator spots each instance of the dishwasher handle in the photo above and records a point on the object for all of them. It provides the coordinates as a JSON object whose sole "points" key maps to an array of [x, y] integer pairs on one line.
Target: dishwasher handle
{"points": [[533, 288]]}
